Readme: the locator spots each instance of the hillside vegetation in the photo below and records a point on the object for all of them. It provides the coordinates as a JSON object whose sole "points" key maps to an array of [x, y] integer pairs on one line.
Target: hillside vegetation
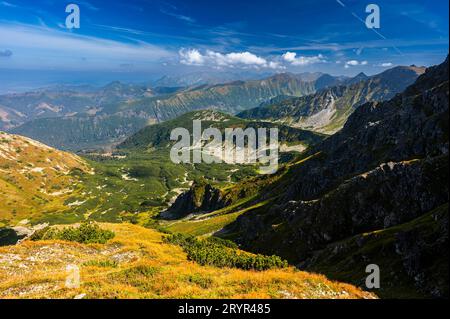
{"points": [[137, 263]]}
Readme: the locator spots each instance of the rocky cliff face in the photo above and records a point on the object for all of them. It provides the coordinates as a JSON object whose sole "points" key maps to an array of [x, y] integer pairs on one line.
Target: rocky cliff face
{"points": [[201, 197], [386, 168]]}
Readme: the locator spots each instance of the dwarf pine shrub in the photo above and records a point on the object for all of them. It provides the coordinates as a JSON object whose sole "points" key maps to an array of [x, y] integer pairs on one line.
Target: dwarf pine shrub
{"points": [[220, 253], [86, 233]]}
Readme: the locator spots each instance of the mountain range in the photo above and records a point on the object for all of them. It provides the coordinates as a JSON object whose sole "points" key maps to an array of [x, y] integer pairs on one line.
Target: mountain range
{"points": [[64, 101], [109, 123], [327, 110], [92, 120]]}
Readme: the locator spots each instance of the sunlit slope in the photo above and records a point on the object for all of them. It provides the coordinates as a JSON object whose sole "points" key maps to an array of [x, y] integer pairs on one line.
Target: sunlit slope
{"points": [[34, 178], [137, 264]]}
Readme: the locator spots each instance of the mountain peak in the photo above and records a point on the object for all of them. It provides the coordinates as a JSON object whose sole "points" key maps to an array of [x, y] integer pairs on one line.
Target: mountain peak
{"points": [[356, 79]]}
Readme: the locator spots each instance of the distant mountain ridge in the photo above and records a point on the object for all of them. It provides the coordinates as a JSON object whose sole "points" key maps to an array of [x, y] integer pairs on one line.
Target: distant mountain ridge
{"points": [[206, 78], [61, 101], [115, 121], [327, 110], [121, 110]]}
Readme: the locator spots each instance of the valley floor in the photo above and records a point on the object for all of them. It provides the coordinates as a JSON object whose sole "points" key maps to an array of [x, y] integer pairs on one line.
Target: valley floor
{"points": [[138, 264]]}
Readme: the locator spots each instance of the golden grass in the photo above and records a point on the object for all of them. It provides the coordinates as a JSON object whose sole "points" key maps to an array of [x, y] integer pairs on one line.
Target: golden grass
{"points": [[34, 178], [145, 267]]}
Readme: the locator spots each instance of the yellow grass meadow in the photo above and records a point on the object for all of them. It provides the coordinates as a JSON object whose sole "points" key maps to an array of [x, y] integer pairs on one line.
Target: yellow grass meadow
{"points": [[138, 264]]}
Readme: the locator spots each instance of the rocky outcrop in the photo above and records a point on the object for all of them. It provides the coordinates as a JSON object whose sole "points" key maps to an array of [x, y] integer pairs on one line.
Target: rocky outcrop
{"points": [[13, 235], [200, 198], [8, 237]]}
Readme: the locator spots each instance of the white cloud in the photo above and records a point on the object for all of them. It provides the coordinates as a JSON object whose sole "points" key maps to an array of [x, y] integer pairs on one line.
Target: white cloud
{"points": [[275, 65], [231, 60], [246, 58], [292, 58], [354, 63], [192, 57], [386, 64]]}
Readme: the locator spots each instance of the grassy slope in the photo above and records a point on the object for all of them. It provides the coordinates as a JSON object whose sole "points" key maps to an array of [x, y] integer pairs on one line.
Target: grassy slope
{"points": [[137, 264], [209, 223], [34, 179]]}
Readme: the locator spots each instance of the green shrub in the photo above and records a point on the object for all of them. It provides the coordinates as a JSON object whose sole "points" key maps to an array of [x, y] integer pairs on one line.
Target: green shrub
{"points": [[86, 233], [140, 270], [221, 253], [223, 242]]}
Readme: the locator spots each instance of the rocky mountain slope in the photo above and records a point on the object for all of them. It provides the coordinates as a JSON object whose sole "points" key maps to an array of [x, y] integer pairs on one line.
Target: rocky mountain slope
{"points": [[199, 199], [328, 110], [375, 192]]}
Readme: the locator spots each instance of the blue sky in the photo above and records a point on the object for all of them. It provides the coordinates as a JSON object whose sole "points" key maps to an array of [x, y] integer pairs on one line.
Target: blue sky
{"points": [[157, 37]]}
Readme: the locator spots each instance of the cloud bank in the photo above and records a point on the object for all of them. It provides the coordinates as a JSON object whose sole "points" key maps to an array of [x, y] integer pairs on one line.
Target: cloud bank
{"points": [[214, 59], [194, 57], [351, 63]]}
